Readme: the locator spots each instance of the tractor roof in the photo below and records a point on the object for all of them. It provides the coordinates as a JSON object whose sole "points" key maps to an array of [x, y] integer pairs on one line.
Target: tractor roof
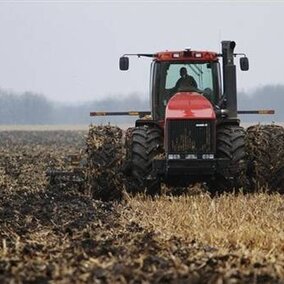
{"points": [[186, 55]]}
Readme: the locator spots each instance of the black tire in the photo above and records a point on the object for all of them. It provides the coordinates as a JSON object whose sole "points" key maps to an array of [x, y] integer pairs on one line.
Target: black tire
{"points": [[265, 155], [145, 144], [277, 183], [277, 179], [104, 160], [230, 144]]}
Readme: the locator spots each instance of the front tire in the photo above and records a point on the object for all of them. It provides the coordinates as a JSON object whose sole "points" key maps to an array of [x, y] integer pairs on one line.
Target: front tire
{"points": [[144, 145], [230, 144]]}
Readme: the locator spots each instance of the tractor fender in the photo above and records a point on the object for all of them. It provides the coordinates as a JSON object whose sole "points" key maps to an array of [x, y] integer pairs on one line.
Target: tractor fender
{"points": [[149, 122]]}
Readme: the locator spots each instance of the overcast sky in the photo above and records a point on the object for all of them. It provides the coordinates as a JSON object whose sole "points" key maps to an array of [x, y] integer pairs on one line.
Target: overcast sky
{"points": [[69, 51]]}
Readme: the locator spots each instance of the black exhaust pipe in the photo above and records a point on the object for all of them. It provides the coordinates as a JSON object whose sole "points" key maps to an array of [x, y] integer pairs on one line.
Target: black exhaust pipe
{"points": [[229, 78]]}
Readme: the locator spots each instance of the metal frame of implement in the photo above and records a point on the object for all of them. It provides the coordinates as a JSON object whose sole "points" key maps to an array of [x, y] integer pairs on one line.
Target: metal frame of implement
{"points": [[143, 113]]}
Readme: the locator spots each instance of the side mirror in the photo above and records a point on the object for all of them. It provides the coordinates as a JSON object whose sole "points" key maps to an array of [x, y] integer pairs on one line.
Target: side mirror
{"points": [[244, 63], [123, 63]]}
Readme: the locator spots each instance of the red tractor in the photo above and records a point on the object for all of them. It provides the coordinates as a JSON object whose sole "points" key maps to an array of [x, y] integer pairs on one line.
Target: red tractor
{"points": [[193, 132], [193, 122]]}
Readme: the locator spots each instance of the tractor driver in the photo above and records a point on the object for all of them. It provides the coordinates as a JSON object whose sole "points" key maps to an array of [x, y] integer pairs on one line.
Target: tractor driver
{"points": [[185, 80]]}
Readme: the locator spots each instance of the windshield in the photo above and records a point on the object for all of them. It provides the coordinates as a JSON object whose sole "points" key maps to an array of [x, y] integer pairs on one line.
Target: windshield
{"points": [[172, 77], [199, 75]]}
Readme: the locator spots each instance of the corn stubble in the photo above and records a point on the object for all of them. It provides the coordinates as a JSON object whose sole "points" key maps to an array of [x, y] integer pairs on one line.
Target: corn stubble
{"points": [[59, 233]]}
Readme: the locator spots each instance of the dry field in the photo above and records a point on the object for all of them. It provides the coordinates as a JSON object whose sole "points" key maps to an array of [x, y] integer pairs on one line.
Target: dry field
{"points": [[59, 234]]}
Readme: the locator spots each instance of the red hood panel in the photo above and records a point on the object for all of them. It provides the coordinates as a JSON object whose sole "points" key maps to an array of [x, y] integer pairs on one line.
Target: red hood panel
{"points": [[189, 105]]}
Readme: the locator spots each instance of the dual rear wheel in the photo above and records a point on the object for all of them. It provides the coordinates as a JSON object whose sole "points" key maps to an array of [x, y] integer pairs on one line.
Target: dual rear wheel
{"points": [[265, 156]]}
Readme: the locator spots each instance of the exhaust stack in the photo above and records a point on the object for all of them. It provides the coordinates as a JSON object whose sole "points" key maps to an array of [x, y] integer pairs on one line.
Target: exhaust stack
{"points": [[229, 78]]}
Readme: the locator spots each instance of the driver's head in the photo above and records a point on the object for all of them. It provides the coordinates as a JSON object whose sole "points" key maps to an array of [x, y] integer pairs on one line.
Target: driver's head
{"points": [[182, 71]]}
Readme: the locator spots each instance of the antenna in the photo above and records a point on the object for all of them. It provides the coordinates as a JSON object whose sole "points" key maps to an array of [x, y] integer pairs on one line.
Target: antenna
{"points": [[219, 39]]}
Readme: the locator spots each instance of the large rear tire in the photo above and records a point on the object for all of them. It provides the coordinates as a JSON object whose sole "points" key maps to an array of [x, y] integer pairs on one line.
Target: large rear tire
{"points": [[265, 155], [144, 145], [105, 155], [230, 144], [277, 182]]}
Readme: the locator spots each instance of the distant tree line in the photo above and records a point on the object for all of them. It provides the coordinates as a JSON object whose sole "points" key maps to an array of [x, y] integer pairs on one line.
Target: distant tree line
{"points": [[31, 108], [26, 108]]}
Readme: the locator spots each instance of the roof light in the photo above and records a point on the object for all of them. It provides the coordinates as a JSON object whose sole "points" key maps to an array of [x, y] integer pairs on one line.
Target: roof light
{"points": [[176, 55], [208, 56]]}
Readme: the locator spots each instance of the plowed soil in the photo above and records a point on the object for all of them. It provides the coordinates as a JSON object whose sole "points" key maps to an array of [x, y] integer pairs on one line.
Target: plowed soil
{"points": [[59, 234]]}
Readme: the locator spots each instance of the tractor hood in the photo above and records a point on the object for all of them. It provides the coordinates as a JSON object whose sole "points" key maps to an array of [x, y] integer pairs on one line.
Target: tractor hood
{"points": [[189, 105]]}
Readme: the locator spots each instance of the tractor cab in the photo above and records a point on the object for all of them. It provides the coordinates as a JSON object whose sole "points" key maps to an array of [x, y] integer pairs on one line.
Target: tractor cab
{"points": [[201, 74], [187, 74], [181, 71]]}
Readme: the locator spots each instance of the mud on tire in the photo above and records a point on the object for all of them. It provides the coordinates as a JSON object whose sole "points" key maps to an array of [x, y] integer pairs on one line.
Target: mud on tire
{"points": [[265, 155], [105, 155]]}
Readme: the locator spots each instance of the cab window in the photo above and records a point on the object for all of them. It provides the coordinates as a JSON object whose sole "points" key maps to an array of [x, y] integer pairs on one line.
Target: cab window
{"points": [[201, 73]]}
